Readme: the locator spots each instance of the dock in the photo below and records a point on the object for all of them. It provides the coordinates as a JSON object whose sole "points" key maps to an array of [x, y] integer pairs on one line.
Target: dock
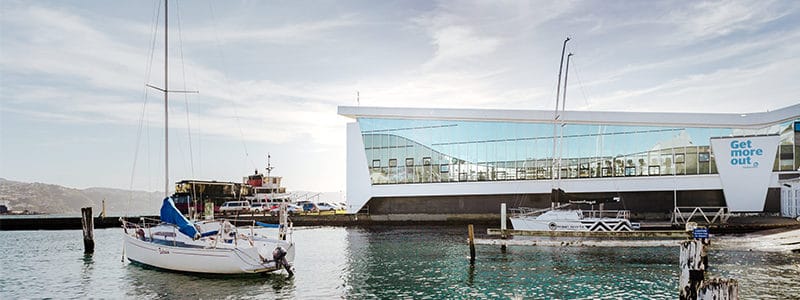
{"points": [[638, 234]]}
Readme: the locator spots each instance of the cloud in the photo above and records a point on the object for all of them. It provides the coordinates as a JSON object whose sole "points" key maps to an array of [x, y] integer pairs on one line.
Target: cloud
{"points": [[291, 33], [712, 19]]}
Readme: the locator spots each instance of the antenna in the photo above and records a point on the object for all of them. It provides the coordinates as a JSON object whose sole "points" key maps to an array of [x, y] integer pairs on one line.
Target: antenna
{"points": [[269, 164], [358, 98]]}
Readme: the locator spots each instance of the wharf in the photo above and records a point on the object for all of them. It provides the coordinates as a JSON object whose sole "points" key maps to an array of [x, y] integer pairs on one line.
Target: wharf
{"points": [[637, 234], [45, 222], [48, 222]]}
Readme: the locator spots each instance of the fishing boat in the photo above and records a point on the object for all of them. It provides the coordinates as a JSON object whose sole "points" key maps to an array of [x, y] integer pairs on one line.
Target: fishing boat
{"points": [[174, 243]]}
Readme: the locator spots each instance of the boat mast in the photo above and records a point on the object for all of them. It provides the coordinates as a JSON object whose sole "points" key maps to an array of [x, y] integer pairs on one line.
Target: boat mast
{"points": [[166, 102], [166, 99], [269, 179], [561, 129], [553, 174]]}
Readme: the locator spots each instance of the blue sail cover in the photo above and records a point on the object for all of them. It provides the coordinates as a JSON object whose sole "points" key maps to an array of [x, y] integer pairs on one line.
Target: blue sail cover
{"points": [[171, 214]]}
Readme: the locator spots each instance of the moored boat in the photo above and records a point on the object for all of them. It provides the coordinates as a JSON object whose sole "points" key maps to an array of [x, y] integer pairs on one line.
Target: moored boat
{"points": [[572, 220], [211, 246]]}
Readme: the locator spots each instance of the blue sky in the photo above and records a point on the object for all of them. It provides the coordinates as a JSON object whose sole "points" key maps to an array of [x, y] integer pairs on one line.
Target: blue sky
{"points": [[271, 74]]}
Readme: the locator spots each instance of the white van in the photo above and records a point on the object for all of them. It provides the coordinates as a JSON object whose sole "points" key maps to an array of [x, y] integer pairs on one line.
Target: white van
{"points": [[231, 206]]}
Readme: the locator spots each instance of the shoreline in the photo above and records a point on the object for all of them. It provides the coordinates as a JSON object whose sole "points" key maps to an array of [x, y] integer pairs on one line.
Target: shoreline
{"points": [[734, 225]]}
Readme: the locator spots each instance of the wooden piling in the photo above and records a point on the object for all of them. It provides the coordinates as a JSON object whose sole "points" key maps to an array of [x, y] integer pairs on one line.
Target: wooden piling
{"points": [[719, 289], [503, 226], [693, 262], [471, 243], [87, 223]]}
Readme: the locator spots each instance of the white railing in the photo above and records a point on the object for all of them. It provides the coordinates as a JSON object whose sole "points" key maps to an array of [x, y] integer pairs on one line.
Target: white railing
{"points": [[682, 215]]}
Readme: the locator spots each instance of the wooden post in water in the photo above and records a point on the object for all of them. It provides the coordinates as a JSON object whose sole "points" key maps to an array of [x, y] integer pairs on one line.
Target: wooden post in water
{"points": [[471, 244], [693, 262], [87, 222], [719, 289], [503, 226]]}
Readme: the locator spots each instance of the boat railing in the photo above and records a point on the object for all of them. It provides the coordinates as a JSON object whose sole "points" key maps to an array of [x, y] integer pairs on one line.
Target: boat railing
{"points": [[531, 211], [618, 214]]}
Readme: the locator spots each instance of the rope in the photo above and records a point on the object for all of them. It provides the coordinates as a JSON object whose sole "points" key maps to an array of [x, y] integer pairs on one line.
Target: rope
{"points": [[185, 96], [156, 14], [227, 81]]}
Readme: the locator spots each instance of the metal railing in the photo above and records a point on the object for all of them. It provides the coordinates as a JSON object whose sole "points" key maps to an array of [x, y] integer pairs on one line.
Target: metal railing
{"points": [[683, 214]]}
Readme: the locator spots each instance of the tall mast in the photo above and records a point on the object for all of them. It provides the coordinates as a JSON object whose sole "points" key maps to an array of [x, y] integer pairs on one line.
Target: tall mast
{"points": [[166, 102], [554, 193], [561, 129]]}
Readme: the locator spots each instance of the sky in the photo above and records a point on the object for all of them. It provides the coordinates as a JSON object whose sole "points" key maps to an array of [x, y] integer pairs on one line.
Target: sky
{"points": [[75, 109]]}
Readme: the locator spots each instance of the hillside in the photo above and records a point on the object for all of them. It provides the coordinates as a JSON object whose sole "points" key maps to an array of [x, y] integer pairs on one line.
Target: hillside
{"points": [[56, 199]]}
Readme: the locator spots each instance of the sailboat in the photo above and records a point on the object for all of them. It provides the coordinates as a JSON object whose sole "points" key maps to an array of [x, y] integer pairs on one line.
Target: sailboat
{"points": [[218, 246], [558, 217]]}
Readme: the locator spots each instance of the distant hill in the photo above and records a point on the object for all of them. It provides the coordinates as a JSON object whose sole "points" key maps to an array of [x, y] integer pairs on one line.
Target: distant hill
{"points": [[56, 199]]}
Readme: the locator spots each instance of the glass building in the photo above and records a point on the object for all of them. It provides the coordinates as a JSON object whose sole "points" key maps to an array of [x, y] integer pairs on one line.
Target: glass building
{"points": [[411, 154]]}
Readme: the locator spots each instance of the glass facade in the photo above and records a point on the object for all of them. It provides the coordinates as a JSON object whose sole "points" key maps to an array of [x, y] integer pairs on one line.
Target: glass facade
{"points": [[401, 151]]}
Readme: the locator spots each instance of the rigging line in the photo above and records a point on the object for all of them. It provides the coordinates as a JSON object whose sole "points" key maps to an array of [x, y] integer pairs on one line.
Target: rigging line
{"points": [[227, 83], [156, 15], [185, 96], [580, 84]]}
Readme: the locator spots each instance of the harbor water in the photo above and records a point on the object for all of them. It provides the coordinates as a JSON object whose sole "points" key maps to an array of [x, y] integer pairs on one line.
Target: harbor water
{"points": [[419, 262]]}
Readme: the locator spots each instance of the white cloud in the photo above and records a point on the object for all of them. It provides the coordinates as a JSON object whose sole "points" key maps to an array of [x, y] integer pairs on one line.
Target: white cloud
{"points": [[711, 19]]}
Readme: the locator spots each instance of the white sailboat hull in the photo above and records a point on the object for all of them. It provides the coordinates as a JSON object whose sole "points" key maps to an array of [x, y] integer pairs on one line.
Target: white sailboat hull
{"points": [[529, 223], [221, 260], [569, 220]]}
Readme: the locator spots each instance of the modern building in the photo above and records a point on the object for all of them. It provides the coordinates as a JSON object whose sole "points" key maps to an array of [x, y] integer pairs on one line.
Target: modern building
{"points": [[435, 163]]}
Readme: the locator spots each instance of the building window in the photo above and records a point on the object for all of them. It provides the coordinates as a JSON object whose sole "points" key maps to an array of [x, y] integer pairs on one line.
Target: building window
{"points": [[409, 162], [376, 163], [393, 162], [655, 170], [630, 171], [444, 168], [426, 161], [703, 157]]}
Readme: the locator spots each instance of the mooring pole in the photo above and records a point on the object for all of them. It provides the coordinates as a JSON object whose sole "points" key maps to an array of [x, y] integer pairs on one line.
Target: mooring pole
{"points": [[693, 267], [87, 222], [503, 218], [719, 289], [471, 244], [503, 226]]}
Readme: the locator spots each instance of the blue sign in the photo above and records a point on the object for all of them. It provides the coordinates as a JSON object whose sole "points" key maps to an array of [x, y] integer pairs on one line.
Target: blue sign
{"points": [[700, 233]]}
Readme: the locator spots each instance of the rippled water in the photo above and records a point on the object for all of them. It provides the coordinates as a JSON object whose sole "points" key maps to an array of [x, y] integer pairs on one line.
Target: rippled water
{"points": [[383, 262]]}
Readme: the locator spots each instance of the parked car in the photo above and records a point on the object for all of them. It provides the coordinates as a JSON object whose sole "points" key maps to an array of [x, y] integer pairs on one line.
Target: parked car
{"points": [[291, 208], [308, 206], [234, 206], [325, 206], [259, 207]]}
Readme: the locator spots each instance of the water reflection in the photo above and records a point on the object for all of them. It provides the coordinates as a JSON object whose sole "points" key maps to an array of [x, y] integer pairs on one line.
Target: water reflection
{"points": [[86, 273], [149, 282]]}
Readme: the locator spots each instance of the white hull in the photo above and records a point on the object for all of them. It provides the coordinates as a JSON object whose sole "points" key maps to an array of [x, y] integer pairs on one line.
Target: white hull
{"points": [[206, 256], [529, 223], [570, 220]]}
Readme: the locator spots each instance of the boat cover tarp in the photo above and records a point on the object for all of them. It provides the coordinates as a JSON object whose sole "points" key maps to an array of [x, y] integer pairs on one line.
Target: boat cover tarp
{"points": [[268, 225], [171, 214]]}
